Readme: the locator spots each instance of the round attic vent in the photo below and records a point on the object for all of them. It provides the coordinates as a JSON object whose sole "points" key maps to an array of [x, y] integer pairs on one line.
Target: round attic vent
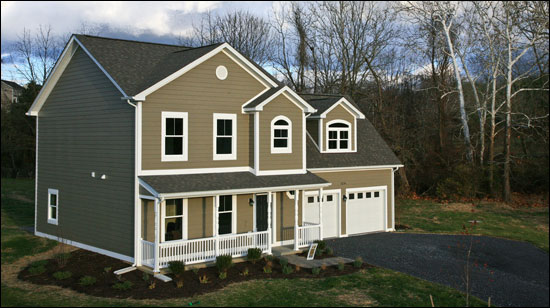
{"points": [[221, 72]]}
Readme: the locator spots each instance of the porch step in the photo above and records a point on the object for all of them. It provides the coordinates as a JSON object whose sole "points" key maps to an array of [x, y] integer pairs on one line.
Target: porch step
{"points": [[284, 251]]}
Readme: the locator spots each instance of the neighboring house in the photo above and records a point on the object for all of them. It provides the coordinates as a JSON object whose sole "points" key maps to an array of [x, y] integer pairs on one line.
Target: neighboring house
{"points": [[151, 153], [10, 92]]}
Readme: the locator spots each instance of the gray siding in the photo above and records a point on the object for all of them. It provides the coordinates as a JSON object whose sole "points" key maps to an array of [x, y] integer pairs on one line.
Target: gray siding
{"points": [[84, 126]]}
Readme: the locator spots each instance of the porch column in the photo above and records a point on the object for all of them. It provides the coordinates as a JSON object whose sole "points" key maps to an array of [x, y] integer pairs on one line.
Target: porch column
{"points": [[216, 225], [157, 235], [269, 200], [138, 233], [320, 213], [296, 220]]}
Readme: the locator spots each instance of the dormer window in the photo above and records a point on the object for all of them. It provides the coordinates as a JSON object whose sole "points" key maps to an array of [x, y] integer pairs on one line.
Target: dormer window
{"points": [[338, 136], [281, 135]]}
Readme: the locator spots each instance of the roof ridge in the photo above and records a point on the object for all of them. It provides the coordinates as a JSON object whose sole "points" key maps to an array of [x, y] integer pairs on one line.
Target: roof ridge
{"points": [[322, 94], [193, 48], [133, 41]]}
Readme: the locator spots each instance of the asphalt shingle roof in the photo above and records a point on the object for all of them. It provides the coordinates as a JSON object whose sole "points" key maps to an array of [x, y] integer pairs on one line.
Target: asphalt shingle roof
{"points": [[185, 183]]}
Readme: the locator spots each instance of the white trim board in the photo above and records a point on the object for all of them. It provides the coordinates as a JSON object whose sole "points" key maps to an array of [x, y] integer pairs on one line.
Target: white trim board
{"points": [[241, 191], [292, 96], [195, 171], [346, 104], [358, 168], [87, 247]]}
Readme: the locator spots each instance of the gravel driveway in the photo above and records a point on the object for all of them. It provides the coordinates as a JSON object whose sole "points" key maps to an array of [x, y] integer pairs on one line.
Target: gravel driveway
{"points": [[512, 273]]}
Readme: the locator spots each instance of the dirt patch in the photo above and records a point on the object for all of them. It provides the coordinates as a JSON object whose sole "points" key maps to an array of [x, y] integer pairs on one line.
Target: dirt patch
{"points": [[357, 298], [459, 207], [85, 263]]}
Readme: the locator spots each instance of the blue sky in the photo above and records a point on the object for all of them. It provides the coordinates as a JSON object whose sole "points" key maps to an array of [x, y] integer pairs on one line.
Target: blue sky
{"points": [[158, 21]]}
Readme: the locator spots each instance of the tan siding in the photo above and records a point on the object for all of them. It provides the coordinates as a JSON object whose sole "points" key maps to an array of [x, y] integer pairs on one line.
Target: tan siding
{"points": [[281, 106], [200, 213], [353, 179], [245, 214], [339, 113], [200, 94], [148, 220], [285, 217]]}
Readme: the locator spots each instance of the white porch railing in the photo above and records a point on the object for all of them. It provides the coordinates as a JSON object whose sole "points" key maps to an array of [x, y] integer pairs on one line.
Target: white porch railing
{"points": [[308, 233], [206, 249], [147, 253]]}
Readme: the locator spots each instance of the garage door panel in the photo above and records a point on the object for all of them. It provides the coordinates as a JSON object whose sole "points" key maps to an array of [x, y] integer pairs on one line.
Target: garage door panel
{"points": [[365, 211]]}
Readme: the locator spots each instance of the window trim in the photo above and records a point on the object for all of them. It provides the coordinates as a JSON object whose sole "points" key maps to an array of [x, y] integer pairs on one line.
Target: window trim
{"points": [[339, 129], [288, 127], [184, 221], [185, 142], [224, 116], [233, 215], [55, 192]]}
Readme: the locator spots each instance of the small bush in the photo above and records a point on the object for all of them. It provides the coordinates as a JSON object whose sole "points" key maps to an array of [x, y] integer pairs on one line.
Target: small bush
{"points": [[152, 285], [329, 251], [287, 270], [203, 279], [222, 275], [62, 275], [39, 263], [268, 267], [245, 272], [341, 266], [324, 267], [179, 283], [223, 263], [37, 270], [126, 285], [283, 262], [176, 267], [195, 270], [87, 281], [315, 271], [254, 255], [321, 245], [297, 268], [62, 259], [358, 262], [145, 277], [268, 258], [107, 270]]}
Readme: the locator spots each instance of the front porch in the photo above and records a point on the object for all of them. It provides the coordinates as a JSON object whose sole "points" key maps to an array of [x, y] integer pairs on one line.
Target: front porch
{"points": [[196, 228]]}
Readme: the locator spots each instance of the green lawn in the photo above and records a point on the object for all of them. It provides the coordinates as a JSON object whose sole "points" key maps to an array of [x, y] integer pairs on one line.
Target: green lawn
{"points": [[373, 287], [496, 219]]}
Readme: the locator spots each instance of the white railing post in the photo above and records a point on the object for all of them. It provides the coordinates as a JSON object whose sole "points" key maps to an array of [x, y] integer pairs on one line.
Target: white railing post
{"points": [[157, 236], [216, 227], [295, 219], [320, 213], [269, 200]]}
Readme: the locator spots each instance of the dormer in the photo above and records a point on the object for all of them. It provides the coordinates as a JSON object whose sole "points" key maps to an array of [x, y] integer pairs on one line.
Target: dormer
{"points": [[333, 128]]}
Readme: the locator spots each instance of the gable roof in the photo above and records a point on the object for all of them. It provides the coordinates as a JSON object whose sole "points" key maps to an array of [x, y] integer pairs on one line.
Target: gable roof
{"points": [[13, 84], [324, 103], [259, 102]]}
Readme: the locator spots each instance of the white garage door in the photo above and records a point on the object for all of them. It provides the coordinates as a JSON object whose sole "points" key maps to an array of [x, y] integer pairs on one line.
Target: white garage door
{"points": [[330, 213], [365, 210]]}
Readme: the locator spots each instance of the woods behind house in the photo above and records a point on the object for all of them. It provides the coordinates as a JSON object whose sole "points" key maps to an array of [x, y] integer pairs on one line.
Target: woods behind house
{"points": [[459, 90]]}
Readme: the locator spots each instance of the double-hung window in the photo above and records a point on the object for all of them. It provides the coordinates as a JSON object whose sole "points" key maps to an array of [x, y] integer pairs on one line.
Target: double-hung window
{"points": [[226, 215], [225, 136], [53, 204], [174, 136], [174, 222], [338, 137], [281, 135]]}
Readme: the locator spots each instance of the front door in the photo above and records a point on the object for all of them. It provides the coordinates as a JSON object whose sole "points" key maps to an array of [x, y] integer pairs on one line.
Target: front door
{"points": [[261, 213]]}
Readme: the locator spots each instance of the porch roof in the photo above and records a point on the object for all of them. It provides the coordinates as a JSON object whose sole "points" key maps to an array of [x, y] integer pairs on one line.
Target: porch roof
{"points": [[189, 185]]}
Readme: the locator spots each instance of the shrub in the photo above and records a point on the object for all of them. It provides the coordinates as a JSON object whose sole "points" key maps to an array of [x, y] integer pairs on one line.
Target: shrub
{"points": [[39, 263], [62, 259], [358, 262], [152, 285], [203, 279], [287, 270], [329, 251], [268, 267], [341, 266], [315, 271], [62, 275], [126, 285], [268, 258], [297, 269], [321, 245], [324, 267], [245, 272], [223, 263], [145, 277], [195, 270], [37, 270], [107, 270], [179, 283], [222, 275], [87, 281], [176, 267], [283, 262], [254, 255]]}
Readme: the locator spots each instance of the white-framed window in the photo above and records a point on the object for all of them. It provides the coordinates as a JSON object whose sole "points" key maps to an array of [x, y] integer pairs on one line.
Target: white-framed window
{"points": [[174, 136], [225, 136], [227, 214], [338, 136], [174, 220], [53, 206], [281, 135]]}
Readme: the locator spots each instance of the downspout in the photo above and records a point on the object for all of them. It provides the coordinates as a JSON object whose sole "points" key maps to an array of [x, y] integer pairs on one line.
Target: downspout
{"points": [[136, 186], [394, 169]]}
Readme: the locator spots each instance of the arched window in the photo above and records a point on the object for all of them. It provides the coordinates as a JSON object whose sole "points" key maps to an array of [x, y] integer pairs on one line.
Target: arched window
{"points": [[338, 136], [281, 135]]}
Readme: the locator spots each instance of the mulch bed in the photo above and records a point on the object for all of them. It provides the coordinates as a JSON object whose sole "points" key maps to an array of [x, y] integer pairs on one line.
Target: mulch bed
{"points": [[84, 263]]}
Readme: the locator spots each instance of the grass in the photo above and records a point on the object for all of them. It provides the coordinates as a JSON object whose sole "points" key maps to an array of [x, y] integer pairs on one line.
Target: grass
{"points": [[373, 287], [497, 219]]}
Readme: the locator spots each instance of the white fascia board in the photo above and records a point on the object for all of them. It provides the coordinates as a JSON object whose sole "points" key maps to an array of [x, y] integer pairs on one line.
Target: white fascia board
{"points": [[347, 105], [194, 171], [58, 69], [358, 168], [291, 95], [264, 79], [241, 191]]}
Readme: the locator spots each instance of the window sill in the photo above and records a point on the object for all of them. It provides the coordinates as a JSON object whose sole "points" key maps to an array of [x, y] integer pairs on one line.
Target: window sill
{"points": [[52, 221], [174, 158]]}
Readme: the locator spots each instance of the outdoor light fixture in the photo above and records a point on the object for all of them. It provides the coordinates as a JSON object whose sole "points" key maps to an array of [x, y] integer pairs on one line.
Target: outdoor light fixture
{"points": [[345, 198], [103, 177], [251, 202]]}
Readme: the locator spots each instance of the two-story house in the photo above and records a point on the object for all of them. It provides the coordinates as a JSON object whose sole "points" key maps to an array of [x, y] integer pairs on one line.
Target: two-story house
{"points": [[151, 153], [10, 92]]}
